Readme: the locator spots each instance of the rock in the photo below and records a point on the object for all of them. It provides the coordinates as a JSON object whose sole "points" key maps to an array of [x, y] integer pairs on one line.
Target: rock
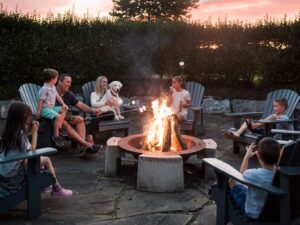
{"points": [[5, 106], [239, 105], [214, 105]]}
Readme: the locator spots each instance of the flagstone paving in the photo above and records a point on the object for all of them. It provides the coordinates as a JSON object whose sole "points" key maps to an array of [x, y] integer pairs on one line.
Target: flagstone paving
{"points": [[100, 200]]}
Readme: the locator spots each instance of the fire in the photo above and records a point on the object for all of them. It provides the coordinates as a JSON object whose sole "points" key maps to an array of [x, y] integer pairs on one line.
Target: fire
{"points": [[163, 134]]}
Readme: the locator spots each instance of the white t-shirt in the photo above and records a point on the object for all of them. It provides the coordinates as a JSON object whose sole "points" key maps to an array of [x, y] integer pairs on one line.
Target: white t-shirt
{"points": [[256, 198], [48, 95], [180, 96]]}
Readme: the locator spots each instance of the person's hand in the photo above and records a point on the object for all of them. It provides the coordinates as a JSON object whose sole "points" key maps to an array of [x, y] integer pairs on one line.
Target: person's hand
{"points": [[109, 103], [38, 116], [171, 90], [76, 119], [181, 105], [249, 150], [65, 107], [98, 112], [35, 126]]}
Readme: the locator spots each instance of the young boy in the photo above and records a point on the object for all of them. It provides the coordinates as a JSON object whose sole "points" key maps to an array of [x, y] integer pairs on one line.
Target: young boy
{"points": [[249, 199], [46, 104], [279, 106]]}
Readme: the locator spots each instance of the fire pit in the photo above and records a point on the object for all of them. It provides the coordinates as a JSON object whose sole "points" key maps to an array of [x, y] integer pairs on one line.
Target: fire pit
{"points": [[133, 144]]}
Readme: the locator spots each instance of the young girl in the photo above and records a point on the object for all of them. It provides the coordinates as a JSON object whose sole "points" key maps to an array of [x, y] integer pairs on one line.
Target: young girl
{"points": [[14, 140], [180, 98]]}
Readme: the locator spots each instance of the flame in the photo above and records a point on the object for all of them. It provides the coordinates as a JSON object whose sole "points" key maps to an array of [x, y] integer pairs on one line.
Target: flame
{"points": [[158, 129]]}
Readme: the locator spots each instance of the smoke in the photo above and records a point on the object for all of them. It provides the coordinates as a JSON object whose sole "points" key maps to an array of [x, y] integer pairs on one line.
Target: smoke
{"points": [[141, 47]]}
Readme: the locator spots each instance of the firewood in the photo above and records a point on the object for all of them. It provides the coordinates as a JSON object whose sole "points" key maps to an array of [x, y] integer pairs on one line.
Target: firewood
{"points": [[180, 139], [167, 135]]}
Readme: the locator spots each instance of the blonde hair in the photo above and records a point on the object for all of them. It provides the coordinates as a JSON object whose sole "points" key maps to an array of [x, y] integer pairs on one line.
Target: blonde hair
{"points": [[99, 91]]}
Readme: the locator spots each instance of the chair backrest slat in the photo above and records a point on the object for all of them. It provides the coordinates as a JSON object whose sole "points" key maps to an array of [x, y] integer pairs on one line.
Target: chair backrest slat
{"points": [[29, 94], [87, 90], [196, 91], [291, 96]]}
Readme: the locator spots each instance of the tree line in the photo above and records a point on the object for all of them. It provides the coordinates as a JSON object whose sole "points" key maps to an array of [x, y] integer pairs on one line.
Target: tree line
{"points": [[228, 54]]}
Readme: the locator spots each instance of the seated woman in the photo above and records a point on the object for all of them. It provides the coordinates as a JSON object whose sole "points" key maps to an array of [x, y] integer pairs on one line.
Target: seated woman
{"points": [[96, 96], [180, 98], [279, 106]]}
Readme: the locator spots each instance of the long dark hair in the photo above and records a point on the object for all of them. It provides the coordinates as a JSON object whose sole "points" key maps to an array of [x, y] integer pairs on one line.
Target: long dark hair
{"points": [[18, 115]]}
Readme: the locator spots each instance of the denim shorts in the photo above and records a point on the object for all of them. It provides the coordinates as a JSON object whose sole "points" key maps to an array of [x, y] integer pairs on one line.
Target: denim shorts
{"points": [[239, 193], [50, 113]]}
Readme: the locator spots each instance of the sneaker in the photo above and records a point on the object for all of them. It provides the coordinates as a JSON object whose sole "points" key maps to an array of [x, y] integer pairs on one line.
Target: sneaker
{"points": [[59, 191], [94, 149], [48, 189], [58, 141], [63, 132], [83, 153]]}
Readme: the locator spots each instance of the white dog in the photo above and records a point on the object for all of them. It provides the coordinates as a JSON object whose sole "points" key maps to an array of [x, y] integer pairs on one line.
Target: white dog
{"points": [[112, 96]]}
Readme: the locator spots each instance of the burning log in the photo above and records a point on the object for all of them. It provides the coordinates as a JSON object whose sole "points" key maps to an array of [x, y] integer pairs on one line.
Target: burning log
{"points": [[167, 134], [176, 130]]}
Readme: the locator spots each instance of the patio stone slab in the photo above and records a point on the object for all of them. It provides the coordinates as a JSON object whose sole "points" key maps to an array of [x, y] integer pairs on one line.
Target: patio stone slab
{"points": [[94, 203], [156, 219], [51, 219], [207, 215], [138, 203]]}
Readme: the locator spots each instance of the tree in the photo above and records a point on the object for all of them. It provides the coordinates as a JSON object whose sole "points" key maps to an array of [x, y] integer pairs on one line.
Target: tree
{"points": [[153, 9]]}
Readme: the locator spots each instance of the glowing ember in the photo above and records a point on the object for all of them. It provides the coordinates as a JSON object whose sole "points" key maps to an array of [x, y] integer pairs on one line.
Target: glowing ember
{"points": [[163, 133]]}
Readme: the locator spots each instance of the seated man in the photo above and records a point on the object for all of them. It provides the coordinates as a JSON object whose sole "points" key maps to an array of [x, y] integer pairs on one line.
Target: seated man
{"points": [[78, 134]]}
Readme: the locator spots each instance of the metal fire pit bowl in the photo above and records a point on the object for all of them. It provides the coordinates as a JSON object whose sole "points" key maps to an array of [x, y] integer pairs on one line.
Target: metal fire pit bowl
{"points": [[133, 144]]}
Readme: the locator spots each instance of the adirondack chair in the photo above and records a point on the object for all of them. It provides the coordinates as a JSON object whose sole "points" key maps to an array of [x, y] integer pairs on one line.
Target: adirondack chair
{"points": [[36, 181], [123, 125], [29, 94], [194, 121], [249, 137], [283, 201]]}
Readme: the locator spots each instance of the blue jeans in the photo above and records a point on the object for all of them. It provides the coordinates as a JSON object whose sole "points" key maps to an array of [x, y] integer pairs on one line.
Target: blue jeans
{"points": [[239, 193]]}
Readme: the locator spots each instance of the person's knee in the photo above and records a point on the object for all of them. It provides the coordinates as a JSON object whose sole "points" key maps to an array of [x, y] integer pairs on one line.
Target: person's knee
{"points": [[58, 117]]}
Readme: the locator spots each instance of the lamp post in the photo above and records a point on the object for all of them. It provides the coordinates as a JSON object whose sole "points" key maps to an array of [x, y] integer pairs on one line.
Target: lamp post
{"points": [[181, 64]]}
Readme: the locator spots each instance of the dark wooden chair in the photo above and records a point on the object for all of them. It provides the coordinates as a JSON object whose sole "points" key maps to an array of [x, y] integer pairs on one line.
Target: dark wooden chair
{"points": [[282, 205], [112, 125], [194, 123], [249, 137], [36, 181]]}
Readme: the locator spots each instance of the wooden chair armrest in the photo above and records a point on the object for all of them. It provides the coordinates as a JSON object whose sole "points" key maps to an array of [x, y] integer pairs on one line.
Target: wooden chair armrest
{"points": [[274, 121], [28, 155], [290, 171], [196, 108], [244, 114], [280, 131], [230, 172]]}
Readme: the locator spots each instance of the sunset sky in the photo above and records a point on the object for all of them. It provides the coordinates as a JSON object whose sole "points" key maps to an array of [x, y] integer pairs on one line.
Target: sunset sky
{"points": [[246, 10]]}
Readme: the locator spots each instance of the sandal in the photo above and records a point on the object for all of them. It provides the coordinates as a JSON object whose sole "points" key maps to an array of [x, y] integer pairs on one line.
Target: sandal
{"points": [[249, 124]]}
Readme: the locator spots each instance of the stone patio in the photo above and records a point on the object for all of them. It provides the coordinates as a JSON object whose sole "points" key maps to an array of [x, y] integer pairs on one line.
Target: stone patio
{"points": [[100, 200]]}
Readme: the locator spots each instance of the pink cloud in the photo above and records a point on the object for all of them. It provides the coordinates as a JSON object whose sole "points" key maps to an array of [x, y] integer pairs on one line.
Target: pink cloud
{"points": [[245, 10]]}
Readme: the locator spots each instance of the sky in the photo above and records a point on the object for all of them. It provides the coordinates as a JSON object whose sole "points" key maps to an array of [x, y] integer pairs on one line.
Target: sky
{"points": [[243, 10]]}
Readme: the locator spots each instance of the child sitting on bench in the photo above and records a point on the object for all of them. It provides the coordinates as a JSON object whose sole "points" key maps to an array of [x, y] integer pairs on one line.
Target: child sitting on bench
{"points": [[14, 140]]}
